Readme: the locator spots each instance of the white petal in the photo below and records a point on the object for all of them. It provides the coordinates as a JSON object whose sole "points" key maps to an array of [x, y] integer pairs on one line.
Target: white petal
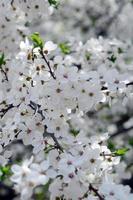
{"points": [[50, 46]]}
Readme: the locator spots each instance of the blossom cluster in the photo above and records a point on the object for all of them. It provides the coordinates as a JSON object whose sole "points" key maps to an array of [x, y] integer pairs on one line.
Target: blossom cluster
{"points": [[37, 105], [60, 99]]}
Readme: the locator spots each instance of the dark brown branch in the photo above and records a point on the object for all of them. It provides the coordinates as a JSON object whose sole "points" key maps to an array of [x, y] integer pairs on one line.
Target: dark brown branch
{"points": [[48, 64], [57, 145], [36, 108], [96, 192], [5, 74], [130, 83], [4, 111], [106, 88], [56, 142], [122, 131], [12, 2]]}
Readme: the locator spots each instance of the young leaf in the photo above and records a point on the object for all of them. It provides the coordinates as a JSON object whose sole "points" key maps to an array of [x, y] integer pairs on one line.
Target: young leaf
{"points": [[4, 172], [111, 145], [88, 55], [112, 59], [130, 141], [54, 3], [120, 50], [121, 152], [37, 40], [65, 48], [74, 132], [2, 59]]}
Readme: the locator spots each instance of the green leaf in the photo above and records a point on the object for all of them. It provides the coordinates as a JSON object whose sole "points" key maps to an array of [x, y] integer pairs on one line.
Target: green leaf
{"points": [[2, 59], [74, 132], [65, 48], [54, 3], [27, 24], [130, 141], [88, 55], [121, 152], [112, 58], [120, 50], [111, 145], [37, 40], [4, 172]]}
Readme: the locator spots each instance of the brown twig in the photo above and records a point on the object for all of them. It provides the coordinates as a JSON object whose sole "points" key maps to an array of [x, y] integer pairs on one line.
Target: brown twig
{"points": [[57, 145], [4, 111], [48, 64], [5, 74], [12, 2], [122, 131], [35, 107], [91, 188]]}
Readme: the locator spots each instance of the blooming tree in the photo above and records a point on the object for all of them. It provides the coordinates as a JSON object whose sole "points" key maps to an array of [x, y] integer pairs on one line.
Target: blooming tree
{"points": [[66, 76]]}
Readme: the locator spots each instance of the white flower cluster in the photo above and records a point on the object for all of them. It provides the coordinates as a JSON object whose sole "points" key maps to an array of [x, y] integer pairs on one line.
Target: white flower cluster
{"points": [[60, 99], [40, 96], [28, 176]]}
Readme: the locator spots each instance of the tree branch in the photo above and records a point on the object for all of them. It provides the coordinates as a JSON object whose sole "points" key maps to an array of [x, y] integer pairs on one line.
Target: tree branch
{"points": [[36, 108], [48, 64], [5, 74], [4, 111], [96, 192], [58, 146], [122, 131]]}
